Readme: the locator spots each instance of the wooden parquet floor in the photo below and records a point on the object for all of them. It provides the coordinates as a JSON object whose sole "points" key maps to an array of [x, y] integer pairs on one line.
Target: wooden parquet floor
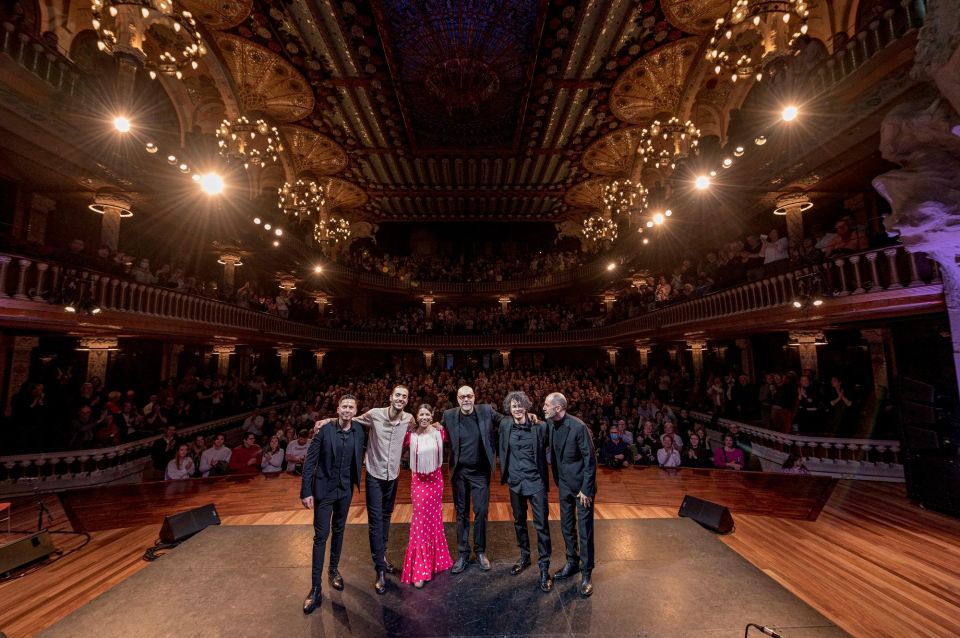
{"points": [[871, 562]]}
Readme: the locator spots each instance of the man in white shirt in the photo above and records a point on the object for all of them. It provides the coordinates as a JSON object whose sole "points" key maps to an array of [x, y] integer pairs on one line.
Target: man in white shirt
{"points": [[297, 451], [254, 423], [216, 458]]}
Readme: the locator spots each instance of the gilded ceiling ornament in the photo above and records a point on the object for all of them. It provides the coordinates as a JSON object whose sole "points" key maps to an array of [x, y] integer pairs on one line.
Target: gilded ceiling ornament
{"points": [[314, 152], [654, 83], [694, 16], [341, 194], [614, 153], [219, 14], [588, 194], [266, 83]]}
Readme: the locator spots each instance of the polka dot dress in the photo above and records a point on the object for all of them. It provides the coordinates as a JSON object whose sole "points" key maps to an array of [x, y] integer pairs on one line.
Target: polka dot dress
{"points": [[427, 552]]}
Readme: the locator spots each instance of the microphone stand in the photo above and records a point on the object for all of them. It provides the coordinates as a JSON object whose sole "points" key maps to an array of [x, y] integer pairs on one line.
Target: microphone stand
{"points": [[41, 509]]}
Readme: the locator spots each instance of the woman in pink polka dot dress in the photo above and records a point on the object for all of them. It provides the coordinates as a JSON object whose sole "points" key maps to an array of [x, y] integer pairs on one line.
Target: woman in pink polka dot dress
{"points": [[427, 552]]}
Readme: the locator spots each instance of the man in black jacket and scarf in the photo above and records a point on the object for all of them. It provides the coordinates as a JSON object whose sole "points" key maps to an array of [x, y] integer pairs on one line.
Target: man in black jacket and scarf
{"points": [[331, 470]]}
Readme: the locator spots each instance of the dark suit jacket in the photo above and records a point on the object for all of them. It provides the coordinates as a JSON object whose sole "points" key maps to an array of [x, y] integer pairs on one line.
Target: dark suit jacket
{"points": [[318, 470], [543, 440], [574, 459], [451, 421]]}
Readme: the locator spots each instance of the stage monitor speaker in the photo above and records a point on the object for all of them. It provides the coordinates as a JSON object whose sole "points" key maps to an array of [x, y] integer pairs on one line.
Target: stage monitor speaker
{"points": [[710, 515], [24, 551], [180, 527]]}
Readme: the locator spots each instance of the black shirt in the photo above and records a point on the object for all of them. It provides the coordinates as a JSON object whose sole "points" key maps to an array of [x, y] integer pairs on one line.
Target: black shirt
{"points": [[344, 449], [524, 477], [471, 453]]}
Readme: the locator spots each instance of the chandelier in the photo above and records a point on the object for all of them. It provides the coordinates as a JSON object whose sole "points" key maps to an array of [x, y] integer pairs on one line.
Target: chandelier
{"points": [[122, 27], [754, 33], [623, 196], [332, 230], [663, 144], [249, 142], [301, 198], [598, 228]]}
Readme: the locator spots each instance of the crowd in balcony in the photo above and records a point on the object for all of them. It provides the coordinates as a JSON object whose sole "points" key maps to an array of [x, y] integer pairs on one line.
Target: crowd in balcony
{"points": [[419, 268]]}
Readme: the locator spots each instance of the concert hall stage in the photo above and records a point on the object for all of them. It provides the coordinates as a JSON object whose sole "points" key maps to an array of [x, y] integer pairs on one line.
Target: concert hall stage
{"points": [[654, 577]]}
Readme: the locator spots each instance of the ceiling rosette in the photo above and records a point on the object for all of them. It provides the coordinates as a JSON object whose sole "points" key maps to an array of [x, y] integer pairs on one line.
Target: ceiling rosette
{"points": [[613, 154], [314, 152], [654, 84]]}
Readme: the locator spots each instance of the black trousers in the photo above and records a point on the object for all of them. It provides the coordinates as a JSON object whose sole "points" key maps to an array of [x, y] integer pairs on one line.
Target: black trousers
{"points": [[471, 483], [381, 495], [541, 512], [576, 521], [335, 505]]}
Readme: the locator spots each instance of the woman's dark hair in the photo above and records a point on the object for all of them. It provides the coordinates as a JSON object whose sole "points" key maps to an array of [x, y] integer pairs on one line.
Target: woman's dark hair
{"points": [[425, 406]]}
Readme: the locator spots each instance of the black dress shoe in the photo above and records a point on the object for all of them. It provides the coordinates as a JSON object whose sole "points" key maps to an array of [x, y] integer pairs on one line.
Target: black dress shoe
{"points": [[586, 587], [519, 566], [460, 565], [568, 570], [312, 601], [380, 585], [546, 583], [483, 561], [336, 580], [390, 568]]}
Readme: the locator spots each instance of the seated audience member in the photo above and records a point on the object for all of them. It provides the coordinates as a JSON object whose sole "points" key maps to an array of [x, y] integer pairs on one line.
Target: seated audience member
{"points": [[215, 460], [254, 423], [668, 456], [180, 466], [197, 448], [82, 428], [245, 458], [155, 419], [164, 448], [297, 451], [108, 434], [647, 445], [849, 239], [696, 453], [728, 456], [794, 465], [615, 453], [272, 461], [625, 435], [684, 423], [741, 440], [669, 429]]}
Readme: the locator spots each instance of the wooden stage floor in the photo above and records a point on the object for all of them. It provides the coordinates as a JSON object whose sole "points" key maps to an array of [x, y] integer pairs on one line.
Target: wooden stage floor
{"points": [[857, 552]]}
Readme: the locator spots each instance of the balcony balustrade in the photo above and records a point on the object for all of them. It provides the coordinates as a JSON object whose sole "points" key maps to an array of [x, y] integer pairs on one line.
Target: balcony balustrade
{"points": [[39, 58]]}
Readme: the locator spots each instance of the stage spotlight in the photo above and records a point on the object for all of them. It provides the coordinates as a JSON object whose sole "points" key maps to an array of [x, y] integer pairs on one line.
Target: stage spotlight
{"points": [[122, 124], [212, 184], [790, 113], [702, 182]]}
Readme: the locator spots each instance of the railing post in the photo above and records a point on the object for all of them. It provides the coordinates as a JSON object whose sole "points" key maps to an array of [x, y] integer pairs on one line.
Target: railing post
{"points": [[113, 292], [41, 275], [103, 291], [914, 275], [22, 279], [4, 266], [891, 25], [843, 279], [891, 254], [875, 281], [855, 264], [123, 295], [935, 272]]}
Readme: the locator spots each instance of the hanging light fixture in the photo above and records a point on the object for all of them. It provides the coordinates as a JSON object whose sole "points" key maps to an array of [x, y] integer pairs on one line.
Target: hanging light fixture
{"points": [[754, 33], [599, 228], [332, 230], [123, 27], [624, 197], [663, 144], [252, 142], [301, 199]]}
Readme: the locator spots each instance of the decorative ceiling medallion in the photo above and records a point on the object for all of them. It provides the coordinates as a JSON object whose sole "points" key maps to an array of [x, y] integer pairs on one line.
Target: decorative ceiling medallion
{"points": [[266, 83], [340, 194], [219, 14], [314, 152], [654, 83], [694, 16], [614, 153], [588, 194]]}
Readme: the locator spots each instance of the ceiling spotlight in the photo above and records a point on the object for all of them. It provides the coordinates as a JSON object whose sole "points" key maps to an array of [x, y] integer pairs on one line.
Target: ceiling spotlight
{"points": [[659, 218], [275, 244], [256, 220], [70, 308], [702, 182], [611, 266], [738, 152], [760, 140], [318, 269], [211, 183], [646, 241], [649, 224], [278, 232], [172, 159], [818, 302], [668, 212], [122, 124], [797, 304], [184, 168], [95, 310], [267, 226], [195, 177], [151, 148], [790, 113], [727, 162]]}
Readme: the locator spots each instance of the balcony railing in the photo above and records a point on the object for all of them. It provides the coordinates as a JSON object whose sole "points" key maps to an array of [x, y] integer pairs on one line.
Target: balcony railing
{"points": [[874, 271], [39, 58], [23, 473], [868, 459]]}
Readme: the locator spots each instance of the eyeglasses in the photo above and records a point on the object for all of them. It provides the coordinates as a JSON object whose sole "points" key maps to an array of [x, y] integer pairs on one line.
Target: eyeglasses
{"points": [[464, 396]]}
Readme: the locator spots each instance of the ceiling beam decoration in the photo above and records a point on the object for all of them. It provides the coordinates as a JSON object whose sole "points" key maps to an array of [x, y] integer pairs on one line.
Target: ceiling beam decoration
{"points": [[654, 85]]}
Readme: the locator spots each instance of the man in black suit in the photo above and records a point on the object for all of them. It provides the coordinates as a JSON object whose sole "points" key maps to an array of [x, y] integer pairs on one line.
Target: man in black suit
{"points": [[575, 472], [330, 472], [523, 467], [470, 428]]}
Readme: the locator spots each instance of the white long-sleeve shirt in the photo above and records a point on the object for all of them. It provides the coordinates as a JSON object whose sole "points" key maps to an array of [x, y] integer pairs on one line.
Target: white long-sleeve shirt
{"points": [[211, 456], [272, 463], [175, 473]]}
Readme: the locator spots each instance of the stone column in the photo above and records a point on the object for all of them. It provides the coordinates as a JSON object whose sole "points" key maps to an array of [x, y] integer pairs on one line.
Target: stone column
{"points": [[746, 358], [504, 303], [113, 206], [879, 341], [428, 302], [505, 357], [608, 299], [40, 209], [428, 358], [674, 353], [612, 355], [284, 350], [318, 356], [22, 350], [230, 258], [807, 341], [321, 299], [644, 350], [792, 206], [697, 346], [98, 356], [170, 360], [244, 357], [223, 352]]}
